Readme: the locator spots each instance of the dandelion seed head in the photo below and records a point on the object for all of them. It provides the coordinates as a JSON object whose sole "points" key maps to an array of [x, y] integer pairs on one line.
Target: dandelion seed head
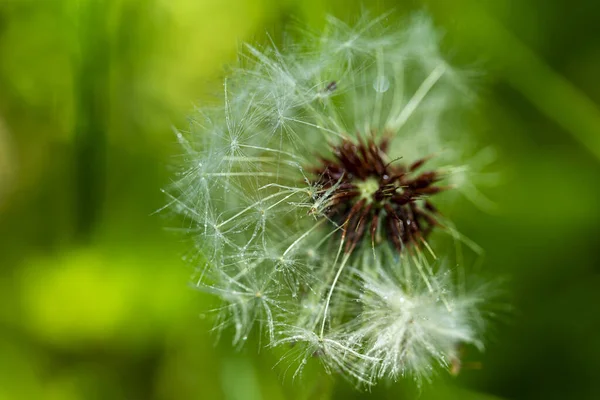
{"points": [[310, 196]]}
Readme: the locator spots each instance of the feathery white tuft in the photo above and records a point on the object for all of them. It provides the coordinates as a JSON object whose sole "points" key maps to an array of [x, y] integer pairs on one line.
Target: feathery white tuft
{"points": [[259, 217]]}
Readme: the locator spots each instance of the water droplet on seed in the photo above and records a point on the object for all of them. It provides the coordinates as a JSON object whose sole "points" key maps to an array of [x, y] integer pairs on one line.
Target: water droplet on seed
{"points": [[381, 84]]}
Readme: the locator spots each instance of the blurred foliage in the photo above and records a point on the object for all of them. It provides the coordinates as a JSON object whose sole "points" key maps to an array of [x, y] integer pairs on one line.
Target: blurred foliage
{"points": [[95, 302]]}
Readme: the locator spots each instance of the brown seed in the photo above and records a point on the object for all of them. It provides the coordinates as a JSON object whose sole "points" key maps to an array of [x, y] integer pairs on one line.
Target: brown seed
{"points": [[354, 208]]}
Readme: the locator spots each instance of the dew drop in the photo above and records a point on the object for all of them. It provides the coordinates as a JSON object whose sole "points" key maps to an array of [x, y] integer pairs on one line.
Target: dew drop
{"points": [[381, 84]]}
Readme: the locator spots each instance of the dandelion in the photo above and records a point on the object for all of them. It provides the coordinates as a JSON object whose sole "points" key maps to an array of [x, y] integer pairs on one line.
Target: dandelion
{"points": [[310, 196], [409, 327]]}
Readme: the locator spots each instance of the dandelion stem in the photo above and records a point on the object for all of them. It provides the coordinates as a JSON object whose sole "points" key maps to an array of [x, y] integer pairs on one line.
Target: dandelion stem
{"points": [[305, 234], [429, 287], [315, 126], [333, 284], [250, 207], [254, 173], [270, 150], [418, 97], [380, 81]]}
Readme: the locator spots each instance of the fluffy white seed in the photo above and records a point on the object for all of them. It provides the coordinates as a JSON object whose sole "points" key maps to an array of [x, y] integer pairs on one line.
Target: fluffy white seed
{"points": [[259, 219]]}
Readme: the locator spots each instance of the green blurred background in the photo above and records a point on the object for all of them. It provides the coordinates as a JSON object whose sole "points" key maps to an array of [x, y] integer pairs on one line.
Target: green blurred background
{"points": [[93, 292]]}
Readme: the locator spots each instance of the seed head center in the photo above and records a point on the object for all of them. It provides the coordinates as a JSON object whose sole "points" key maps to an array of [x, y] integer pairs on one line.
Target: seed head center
{"points": [[367, 194], [367, 189]]}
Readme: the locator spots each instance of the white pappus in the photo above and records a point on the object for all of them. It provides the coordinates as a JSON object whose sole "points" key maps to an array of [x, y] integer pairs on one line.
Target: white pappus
{"points": [[309, 194]]}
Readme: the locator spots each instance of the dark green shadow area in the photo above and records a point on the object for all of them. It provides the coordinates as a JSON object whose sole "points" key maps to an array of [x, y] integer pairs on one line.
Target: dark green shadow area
{"points": [[95, 296]]}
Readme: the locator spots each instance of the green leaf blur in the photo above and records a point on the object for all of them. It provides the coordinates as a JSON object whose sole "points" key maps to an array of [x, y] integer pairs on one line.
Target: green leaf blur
{"points": [[95, 296]]}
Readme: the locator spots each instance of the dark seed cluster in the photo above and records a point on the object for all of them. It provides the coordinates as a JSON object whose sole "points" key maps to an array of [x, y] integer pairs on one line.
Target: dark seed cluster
{"points": [[369, 195]]}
